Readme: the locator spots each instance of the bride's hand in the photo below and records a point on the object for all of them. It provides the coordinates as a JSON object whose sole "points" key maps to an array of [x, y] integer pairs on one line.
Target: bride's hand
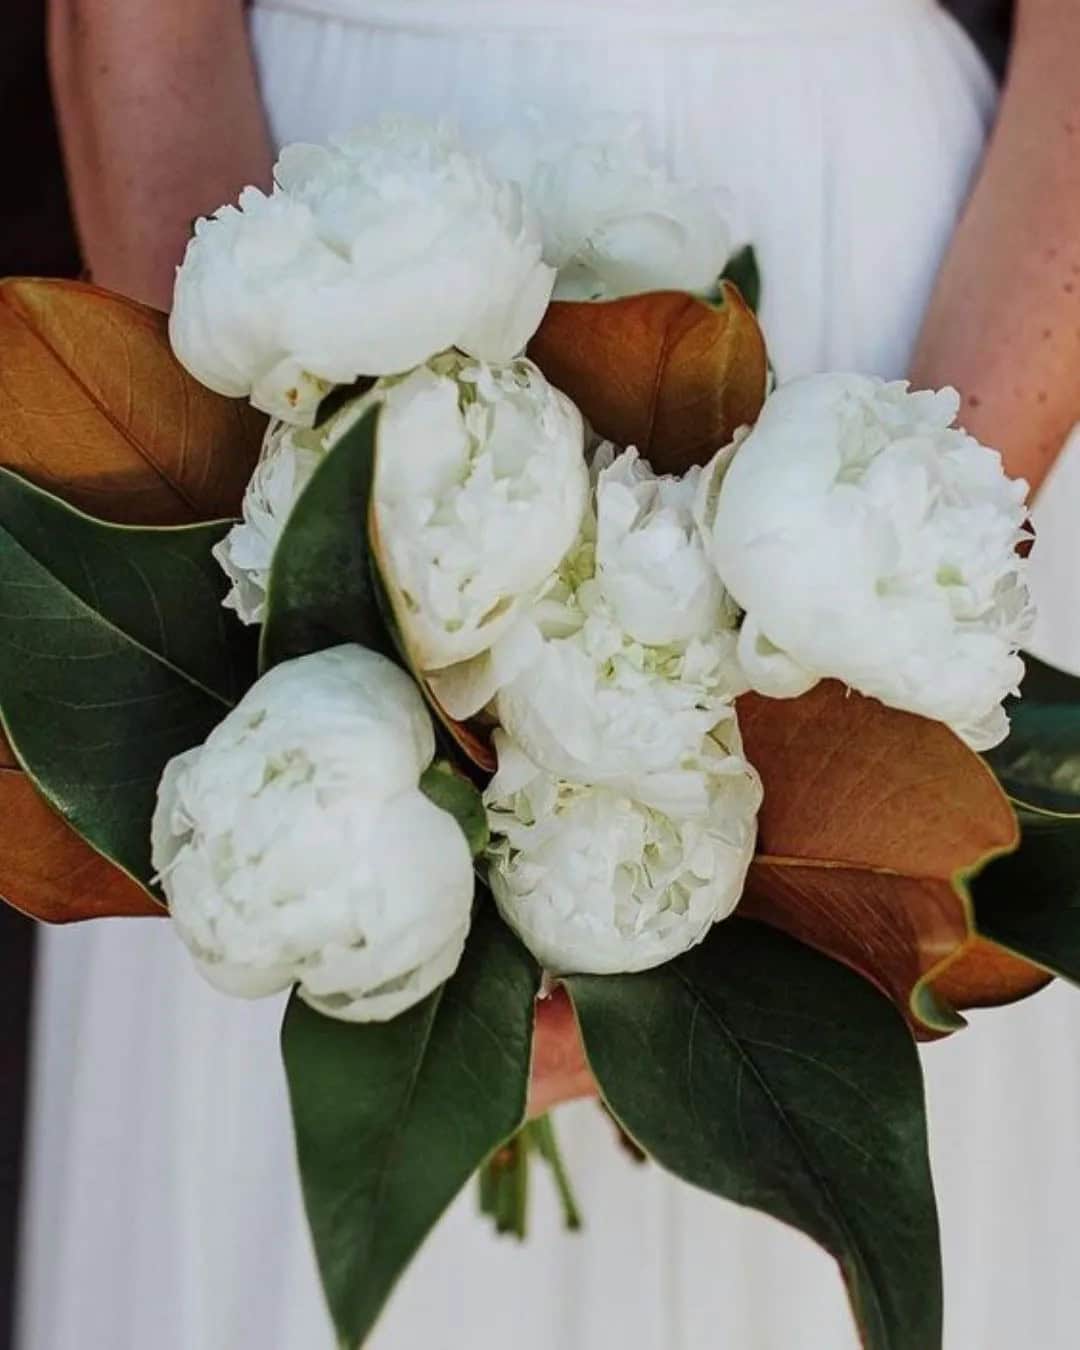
{"points": [[560, 1073]]}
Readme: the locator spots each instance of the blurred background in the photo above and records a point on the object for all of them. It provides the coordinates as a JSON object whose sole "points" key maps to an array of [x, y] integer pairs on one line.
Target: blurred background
{"points": [[37, 238]]}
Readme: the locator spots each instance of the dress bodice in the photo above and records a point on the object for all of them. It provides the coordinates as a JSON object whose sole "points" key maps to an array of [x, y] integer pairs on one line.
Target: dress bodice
{"points": [[609, 17]]}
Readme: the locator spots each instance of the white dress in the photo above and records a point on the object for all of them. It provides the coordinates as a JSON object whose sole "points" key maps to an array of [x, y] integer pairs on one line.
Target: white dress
{"points": [[162, 1205]]}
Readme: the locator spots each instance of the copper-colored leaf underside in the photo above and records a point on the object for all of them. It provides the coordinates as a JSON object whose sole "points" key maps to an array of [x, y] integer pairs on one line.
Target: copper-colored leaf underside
{"points": [[983, 975], [94, 407], [872, 820], [666, 372], [46, 869]]}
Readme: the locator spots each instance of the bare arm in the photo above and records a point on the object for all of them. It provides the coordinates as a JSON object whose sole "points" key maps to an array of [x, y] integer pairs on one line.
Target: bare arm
{"points": [[1004, 323], [161, 122]]}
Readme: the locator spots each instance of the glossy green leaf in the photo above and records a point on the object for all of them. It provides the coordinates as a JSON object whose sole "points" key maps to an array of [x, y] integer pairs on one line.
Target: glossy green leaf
{"points": [[115, 655], [760, 1070], [1029, 902], [321, 591], [448, 790], [1039, 762], [325, 586], [393, 1118], [743, 271]]}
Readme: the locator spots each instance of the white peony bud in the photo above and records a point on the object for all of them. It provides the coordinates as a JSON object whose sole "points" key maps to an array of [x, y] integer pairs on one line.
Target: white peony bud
{"points": [[871, 541], [635, 653], [613, 222], [480, 490], [597, 881], [369, 257], [296, 846]]}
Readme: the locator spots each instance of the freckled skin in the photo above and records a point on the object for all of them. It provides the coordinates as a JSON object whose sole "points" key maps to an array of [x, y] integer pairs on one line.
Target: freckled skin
{"points": [[1004, 323]]}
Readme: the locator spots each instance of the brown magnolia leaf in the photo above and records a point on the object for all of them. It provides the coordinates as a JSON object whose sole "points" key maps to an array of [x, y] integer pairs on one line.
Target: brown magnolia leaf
{"points": [[467, 736], [95, 407], [47, 870], [666, 372], [873, 821], [984, 975]]}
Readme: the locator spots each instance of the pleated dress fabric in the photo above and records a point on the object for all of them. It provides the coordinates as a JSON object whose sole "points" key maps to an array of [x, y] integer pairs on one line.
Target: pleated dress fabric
{"points": [[162, 1204]]}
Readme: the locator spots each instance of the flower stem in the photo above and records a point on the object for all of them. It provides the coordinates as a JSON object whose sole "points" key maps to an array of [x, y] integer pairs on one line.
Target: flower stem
{"points": [[547, 1145], [504, 1187], [504, 1179]]}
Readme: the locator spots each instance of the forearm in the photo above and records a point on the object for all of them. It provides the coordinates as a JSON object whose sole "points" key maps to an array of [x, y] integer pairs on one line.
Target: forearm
{"points": [[161, 122], [1004, 323]]}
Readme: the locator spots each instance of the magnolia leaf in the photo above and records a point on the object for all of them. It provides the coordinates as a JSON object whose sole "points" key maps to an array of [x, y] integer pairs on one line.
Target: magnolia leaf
{"points": [[47, 870], [325, 586], [874, 824], [95, 407], [393, 1118], [1029, 901], [666, 372], [1039, 761], [321, 591], [450, 792], [763, 1072], [115, 655]]}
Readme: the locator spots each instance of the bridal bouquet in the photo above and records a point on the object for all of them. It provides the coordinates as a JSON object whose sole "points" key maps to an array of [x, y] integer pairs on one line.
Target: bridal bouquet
{"points": [[532, 648]]}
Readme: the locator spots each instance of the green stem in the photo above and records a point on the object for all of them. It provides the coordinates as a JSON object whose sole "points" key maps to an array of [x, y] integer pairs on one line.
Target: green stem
{"points": [[547, 1145], [504, 1187], [504, 1179]]}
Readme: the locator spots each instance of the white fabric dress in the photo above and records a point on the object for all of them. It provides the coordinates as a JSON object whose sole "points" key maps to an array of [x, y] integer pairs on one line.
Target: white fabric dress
{"points": [[162, 1205]]}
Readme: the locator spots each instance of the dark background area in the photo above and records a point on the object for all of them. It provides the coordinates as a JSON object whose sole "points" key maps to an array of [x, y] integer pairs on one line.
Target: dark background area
{"points": [[990, 22], [36, 238]]}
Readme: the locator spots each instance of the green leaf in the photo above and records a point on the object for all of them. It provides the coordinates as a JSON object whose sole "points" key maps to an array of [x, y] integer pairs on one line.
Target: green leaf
{"points": [[743, 271], [321, 591], [445, 787], [1039, 762], [760, 1070], [393, 1118], [115, 655], [1029, 901], [325, 586]]}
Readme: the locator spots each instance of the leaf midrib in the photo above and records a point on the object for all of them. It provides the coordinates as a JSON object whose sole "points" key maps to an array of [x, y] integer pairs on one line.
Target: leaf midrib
{"points": [[747, 1060], [114, 628], [667, 345], [27, 319], [397, 1135]]}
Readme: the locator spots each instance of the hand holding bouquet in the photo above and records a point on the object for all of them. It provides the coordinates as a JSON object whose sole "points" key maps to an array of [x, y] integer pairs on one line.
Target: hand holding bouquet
{"points": [[550, 648]]}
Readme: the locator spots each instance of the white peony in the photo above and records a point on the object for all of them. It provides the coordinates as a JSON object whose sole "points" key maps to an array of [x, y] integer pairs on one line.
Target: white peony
{"points": [[369, 257], [871, 541], [296, 846], [480, 490], [651, 564], [597, 881], [289, 457], [613, 222], [633, 660]]}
